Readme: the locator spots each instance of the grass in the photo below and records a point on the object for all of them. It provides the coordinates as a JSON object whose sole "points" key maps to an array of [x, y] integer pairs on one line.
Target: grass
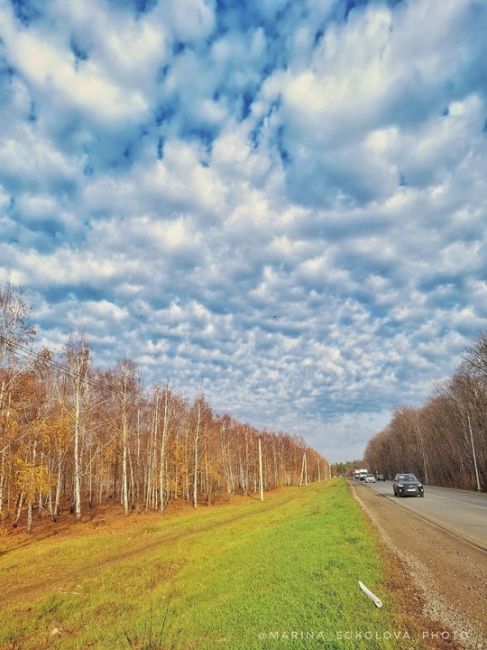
{"points": [[282, 574]]}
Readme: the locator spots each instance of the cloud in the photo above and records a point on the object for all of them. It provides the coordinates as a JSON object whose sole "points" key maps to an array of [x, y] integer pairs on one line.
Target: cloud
{"points": [[49, 67], [285, 203]]}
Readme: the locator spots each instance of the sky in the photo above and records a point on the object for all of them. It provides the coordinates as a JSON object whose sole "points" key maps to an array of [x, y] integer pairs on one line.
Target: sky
{"points": [[280, 201]]}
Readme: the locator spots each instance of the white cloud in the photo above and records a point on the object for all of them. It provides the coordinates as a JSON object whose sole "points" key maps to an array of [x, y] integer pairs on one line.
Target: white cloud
{"points": [[293, 216], [193, 20], [31, 160]]}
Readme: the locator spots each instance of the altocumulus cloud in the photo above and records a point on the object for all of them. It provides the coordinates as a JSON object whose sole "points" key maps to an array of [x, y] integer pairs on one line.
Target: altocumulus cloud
{"points": [[285, 202]]}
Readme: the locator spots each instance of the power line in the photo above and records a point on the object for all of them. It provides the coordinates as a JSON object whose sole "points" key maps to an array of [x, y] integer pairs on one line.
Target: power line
{"points": [[30, 354]]}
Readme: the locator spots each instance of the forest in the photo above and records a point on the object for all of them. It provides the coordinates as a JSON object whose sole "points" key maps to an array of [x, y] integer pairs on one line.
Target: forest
{"points": [[444, 441], [74, 437]]}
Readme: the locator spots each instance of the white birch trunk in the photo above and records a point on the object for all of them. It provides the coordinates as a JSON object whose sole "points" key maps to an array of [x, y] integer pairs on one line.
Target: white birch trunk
{"points": [[76, 458], [196, 439], [162, 456]]}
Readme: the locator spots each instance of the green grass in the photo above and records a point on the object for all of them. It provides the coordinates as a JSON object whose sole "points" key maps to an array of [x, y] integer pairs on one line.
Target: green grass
{"points": [[282, 574]]}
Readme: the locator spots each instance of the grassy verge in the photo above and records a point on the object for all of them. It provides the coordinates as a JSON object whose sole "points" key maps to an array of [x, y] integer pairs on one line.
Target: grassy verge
{"points": [[274, 575]]}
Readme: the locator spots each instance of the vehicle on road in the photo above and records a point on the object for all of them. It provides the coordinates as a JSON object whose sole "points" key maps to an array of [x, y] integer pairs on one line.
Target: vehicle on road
{"points": [[380, 477], [360, 474], [370, 478], [407, 485]]}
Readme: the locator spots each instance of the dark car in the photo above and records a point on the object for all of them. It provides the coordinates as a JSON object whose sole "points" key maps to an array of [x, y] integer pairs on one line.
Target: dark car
{"points": [[407, 485], [381, 477]]}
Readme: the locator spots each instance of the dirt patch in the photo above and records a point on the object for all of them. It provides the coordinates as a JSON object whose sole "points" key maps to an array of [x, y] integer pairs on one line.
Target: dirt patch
{"points": [[449, 576]]}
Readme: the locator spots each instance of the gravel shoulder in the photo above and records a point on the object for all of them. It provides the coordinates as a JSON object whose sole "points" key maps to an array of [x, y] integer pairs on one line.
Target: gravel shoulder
{"points": [[449, 574]]}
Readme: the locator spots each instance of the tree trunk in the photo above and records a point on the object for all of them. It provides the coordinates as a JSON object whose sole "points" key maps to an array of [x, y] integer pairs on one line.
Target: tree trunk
{"points": [[162, 455], [196, 439], [76, 458]]}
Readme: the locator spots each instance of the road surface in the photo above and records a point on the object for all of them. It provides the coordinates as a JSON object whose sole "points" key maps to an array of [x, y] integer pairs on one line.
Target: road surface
{"points": [[461, 512], [441, 544]]}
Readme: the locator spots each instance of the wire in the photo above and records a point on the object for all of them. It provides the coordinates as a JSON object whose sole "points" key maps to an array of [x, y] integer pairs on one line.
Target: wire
{"points": [[27, 353]]}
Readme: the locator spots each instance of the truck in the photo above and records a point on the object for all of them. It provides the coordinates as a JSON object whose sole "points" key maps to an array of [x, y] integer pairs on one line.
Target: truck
{"points": [[359, 473]]}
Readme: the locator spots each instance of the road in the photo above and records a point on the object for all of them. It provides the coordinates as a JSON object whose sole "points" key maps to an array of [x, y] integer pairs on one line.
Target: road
{"points": [[459, 511], [441, 542]]}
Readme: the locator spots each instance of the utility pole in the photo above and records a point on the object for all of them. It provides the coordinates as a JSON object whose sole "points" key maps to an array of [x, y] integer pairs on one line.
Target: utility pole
{"points": [[260, 471], [420, 434], [318, 463], [304, 471], [474, 456]]}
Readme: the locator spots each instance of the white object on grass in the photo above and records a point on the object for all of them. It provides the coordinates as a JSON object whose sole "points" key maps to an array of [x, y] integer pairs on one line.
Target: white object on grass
{"points": [[377, 601]]}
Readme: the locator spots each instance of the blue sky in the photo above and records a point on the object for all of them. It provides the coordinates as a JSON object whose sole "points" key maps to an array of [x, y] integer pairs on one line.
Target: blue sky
{"points": [[282, 201]]}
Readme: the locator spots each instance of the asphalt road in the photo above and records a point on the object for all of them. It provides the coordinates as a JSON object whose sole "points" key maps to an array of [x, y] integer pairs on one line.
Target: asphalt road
{"points": [[459, 511]]}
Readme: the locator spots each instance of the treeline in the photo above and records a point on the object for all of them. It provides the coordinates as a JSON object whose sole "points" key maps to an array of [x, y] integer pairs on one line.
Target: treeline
{"points": [[73, 436], [345, 468], [445, 441]]}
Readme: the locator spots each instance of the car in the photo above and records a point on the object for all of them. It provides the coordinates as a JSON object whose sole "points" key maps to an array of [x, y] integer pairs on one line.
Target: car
{"points": [[380, 477], [407, 485], [362, 477], [370, 478]]}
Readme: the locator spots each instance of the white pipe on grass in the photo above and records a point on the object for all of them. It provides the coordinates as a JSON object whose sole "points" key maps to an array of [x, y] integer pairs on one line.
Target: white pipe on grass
{"points": [[377, 601]]}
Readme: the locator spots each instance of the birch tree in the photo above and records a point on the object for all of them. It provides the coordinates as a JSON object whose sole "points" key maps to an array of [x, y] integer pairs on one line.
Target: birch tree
{"points": [[78, 366]]}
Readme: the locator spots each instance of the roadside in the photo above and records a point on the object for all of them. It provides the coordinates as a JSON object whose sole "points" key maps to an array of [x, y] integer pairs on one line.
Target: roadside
{"points": [[450, 574]]}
